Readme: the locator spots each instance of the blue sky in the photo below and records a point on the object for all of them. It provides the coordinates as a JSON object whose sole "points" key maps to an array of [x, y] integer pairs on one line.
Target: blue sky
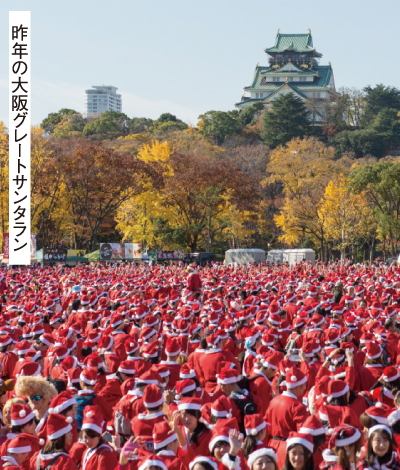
{"points": [[188, 57]]}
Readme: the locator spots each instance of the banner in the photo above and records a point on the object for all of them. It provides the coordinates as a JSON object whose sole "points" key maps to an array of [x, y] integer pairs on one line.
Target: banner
{"points": [[80, 253], [19, 122], [132, 251], [33, 247], [54, 254], [174, 255], [112, 251]]}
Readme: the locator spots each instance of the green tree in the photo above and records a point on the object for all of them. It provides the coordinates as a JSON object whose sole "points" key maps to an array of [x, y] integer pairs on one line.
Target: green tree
{"points": [[167, 117], [219, 125], [381, 184], [378, 98], [362, 142], [71, 125], [287, 119], [48, 124], [101, 126], [247, 115], [137, 125], [387, 124]]}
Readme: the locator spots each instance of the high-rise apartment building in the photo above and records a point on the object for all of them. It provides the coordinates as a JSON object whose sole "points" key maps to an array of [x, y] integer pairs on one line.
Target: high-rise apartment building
{"points": [[102, 98]]}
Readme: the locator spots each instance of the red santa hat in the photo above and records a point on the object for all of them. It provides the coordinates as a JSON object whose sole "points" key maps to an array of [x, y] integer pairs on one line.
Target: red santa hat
{"points": [[189, 403], [47, 339], [173, 347], [312, 425], [61, 402], [373, 350], [390, 374], [379, 412], [89, 376], [294, 378], [253, 424], [20, 444], [127, 367], [344, 435], [200, 460], [5, 340], [152, 396], [148, 377], [271, 359], [57, 425], [266, 451], [162, 435], [222, 407], [227, 376], [186, 372], [153, 461], [29, 369], [21, 414], [131, 346], [306, 440], [184, 386], [93, 419], [150, 350]]}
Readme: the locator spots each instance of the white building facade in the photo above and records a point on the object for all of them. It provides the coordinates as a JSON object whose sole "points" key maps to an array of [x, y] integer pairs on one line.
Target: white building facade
{"points": [[102, 98]]}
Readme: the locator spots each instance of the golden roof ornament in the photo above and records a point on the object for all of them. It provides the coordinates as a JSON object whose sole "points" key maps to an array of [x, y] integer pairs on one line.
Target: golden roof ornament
{"points": [[309, 31], [286, 81], [278, 31], [257, 64]]}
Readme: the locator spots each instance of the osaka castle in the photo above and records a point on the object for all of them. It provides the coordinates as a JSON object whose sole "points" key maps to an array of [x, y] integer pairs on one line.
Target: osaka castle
{"points": [[293, 66]]}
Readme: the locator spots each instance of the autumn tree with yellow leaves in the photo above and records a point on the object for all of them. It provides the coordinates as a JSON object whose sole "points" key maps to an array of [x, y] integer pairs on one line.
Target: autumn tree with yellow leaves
{"points": [[347, 216]]}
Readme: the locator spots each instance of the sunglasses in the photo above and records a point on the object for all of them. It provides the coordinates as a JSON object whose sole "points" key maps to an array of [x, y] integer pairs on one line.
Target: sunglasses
{"points": [[35, 397]]}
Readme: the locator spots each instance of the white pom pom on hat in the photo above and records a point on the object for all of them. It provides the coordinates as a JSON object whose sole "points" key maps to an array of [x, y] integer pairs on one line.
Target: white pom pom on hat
{"points": [[293, 378], [41, 442], [51, 410], [89, 414], [178, 397], [22, 413], [229, 415], [254, 432], [70, 419]]}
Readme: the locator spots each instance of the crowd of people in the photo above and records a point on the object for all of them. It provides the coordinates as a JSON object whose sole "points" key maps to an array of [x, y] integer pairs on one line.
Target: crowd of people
{"points": [[187, 368]]}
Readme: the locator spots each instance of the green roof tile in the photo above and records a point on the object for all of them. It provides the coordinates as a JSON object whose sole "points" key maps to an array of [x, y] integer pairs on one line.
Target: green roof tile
{"points": [[292, 42]]}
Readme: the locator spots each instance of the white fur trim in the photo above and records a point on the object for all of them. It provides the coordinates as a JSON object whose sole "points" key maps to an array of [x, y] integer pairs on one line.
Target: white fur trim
{"points": [[298, 440], [203, 459], [59, 433], [93, 427], [189, 406], [296, 384], [24, 420], [256, 430], [63, 406], [154, 404], [171, 438], [260, 453], [231, 464], [19, 450], [215, 440], [152, 462], [379, 427], [350, 440], [313, 432]]}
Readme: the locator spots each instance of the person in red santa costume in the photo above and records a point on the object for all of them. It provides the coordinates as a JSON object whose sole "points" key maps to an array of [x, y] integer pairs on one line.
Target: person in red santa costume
{"points": [[292, 412], [99, 455], [54, 454], [18, 452]]}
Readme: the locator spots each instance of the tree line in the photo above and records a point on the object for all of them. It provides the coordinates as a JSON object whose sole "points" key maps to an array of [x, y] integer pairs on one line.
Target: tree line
{"points": [[263, 177]]}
